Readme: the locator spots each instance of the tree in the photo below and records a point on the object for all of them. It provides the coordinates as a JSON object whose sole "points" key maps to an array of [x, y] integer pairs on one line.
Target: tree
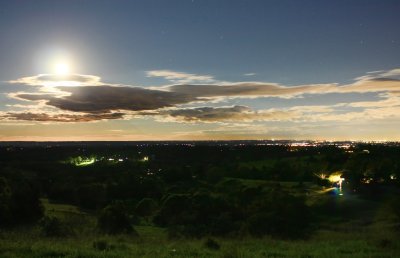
{"points": [[52, 227], [25, 205], [113, 219], [5, 202], [146, 207], [173, 209]]}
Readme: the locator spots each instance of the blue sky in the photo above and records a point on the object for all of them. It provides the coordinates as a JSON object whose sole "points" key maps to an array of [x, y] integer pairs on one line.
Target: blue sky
{"points": [[156, 44]]}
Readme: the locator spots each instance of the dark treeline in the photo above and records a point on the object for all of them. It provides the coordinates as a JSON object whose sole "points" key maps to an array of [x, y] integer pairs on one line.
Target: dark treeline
{"points": [[193, 190]]}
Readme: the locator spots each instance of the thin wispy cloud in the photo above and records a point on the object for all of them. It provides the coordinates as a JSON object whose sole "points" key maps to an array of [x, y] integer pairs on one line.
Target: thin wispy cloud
{"points": [[59, 80], [180, 77]]}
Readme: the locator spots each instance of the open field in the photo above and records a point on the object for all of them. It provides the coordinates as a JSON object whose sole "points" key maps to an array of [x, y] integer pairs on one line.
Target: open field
{"points": [[152, 243], [367, 235]]}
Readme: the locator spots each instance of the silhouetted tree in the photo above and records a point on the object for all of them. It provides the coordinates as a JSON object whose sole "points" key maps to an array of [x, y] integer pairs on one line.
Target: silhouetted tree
{"points": [[146, 207], [5, 202], [113, 219]]}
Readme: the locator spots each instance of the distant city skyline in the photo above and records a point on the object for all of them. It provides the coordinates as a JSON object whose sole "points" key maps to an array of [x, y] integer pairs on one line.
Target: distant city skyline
{"points": [[199, 70]]}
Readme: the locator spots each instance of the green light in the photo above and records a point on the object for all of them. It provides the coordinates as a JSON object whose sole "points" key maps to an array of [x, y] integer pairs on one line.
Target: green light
{"points": [[85, 162], [82, 161]]}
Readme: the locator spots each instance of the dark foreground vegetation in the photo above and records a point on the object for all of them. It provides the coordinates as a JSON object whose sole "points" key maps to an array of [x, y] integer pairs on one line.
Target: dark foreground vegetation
{"points": [[199, 200]]}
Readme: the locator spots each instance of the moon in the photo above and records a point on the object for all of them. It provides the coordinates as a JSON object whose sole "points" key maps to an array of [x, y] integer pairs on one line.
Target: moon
{"points": [[62, 69]]}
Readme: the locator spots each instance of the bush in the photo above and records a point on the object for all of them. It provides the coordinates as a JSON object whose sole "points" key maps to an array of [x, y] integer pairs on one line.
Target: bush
{"points": [[196, 215], [281, 215], [5, 202], [19, 202], [114, 220], [260, 224], [394, 205], [101, 245], [146, 207], [52, 227], [224, 224], [26, 205], [173, 210], [212, 244]]}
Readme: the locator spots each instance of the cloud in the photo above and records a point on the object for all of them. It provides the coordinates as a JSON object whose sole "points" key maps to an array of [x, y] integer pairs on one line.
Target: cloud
{"points": [[250, 89], [368, 114], [32, 96], [59, 80], [297, 114], [180, 77], [36, 106], [243, 131], [378, 82], [44, 117], [103, 99], [99, 100], [223, 114], [391, 73], [389, 100], [371, 85]]}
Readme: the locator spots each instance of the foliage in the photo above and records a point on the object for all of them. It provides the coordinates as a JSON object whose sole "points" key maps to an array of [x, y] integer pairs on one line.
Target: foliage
{"points": [[261, 194], [114, 220], [394, 205], [279, 214], [19, 201], [53, 227], [101, 245], [212, 244], [146, 207], [5, 202]]}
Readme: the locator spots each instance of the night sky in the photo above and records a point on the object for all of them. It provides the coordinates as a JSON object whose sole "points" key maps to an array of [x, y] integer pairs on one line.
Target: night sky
{"points": [[199, 70]]}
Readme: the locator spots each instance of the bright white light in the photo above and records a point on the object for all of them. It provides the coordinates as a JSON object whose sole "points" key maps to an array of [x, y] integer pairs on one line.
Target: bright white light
{"points": [[61, 69]]}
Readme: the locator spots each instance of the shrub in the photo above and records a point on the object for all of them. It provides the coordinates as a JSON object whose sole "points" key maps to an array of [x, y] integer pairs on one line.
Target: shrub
{"points": [[146, 207], [101, 245], [114, 220], [212, 244], [281, 215], [19, 202], [260, 224], [26, 205], [5, 202], [52, 227], [224, 224], [173, 210]]}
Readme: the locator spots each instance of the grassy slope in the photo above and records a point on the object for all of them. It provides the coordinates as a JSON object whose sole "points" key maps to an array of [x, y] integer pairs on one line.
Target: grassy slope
{"points": [[371, 235], [323, 244]]}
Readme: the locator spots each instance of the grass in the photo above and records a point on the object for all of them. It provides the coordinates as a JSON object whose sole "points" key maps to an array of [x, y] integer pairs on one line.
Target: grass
{"points": [[323, 244], [342, 238], [59, 208]]}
